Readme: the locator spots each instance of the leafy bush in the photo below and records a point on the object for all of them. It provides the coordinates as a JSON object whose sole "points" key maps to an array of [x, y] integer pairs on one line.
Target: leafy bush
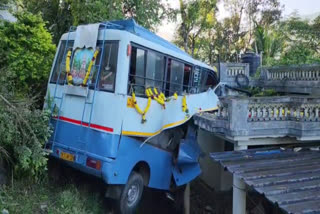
{"points": [[299, 54], [26, 51], [23, 132], [26, 54]]}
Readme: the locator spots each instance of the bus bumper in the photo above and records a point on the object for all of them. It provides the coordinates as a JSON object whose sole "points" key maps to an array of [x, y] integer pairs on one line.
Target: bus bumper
{"points": [[83, 161]]}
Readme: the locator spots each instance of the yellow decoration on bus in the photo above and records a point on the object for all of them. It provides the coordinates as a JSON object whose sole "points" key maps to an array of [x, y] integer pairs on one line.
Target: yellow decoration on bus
{"points": [[130, 103], [138, 109], [85, 80], [69, 76]]}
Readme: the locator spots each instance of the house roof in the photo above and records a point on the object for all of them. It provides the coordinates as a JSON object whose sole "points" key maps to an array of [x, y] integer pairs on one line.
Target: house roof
{"points": [[289, 177]]}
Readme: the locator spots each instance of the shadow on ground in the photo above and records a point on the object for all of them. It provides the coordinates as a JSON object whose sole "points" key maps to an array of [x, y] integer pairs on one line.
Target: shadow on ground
{"points": [[203, 199], [153, 201]]}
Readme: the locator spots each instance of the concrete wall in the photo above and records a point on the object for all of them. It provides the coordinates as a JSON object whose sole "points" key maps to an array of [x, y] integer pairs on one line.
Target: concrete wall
{"points": [[212, 172]]}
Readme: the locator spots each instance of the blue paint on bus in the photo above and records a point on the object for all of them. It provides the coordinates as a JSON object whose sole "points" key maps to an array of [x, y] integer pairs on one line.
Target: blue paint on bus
{"points": [[84, 142]]}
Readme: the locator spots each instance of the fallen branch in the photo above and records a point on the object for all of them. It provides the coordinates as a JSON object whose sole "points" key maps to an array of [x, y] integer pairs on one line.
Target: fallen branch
{"points": [[21, 118]]}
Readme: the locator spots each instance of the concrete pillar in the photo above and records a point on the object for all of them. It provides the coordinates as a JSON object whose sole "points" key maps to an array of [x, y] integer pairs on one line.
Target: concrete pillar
{"points": [[213, 173], [186, 199], [239, 191]]}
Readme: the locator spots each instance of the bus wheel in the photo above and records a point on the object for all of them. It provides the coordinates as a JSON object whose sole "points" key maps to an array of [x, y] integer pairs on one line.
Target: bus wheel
{"points": [[131, 194]]}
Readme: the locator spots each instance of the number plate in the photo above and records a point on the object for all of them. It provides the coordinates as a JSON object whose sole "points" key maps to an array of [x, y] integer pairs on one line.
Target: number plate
{"points": [[67, 156]]}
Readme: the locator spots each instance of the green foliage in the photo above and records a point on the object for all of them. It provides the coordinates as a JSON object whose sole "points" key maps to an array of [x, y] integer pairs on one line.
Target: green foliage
{"points": [[269, 41], [298, 54], [26, 197], [56, 13], [228, 37], [61, 14], [197, 16], [302, 42], [26, 55], [260, 92], [4, 2], [148, 13], [297, 42], [26, 51], [23, 135]]}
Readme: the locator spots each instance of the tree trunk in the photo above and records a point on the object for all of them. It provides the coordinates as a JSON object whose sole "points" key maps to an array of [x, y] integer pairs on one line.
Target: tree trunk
{"points": [[193, 46], [3, 174], [184, 33]]}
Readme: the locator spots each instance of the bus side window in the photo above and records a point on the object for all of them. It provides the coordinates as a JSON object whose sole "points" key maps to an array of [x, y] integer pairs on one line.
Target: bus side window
{"points": [[108, 67], [204, 76], [212, 80], [175, 77], [186, 78], [155, 70], [137, 71], [60, 63]]}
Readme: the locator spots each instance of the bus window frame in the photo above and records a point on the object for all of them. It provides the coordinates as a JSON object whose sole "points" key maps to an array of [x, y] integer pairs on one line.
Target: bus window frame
{"points": [[135, 45], [165, 76], [64, 53], [99, 44]]}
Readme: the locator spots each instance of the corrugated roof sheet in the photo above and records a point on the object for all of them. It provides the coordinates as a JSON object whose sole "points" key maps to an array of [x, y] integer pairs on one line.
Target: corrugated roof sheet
{"points": [[289, 177]]}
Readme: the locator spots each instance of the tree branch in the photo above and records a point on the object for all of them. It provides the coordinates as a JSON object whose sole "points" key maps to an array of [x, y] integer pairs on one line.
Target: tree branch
{"points": [[14, 110]]}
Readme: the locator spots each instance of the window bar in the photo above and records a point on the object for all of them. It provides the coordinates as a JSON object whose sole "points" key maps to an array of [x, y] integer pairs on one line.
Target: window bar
{"points": [[55, 90], [86, 102], [98, 74]]}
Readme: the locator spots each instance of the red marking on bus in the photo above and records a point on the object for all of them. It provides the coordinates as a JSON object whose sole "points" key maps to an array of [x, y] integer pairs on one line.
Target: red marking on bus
{"points": [[78, 122]]}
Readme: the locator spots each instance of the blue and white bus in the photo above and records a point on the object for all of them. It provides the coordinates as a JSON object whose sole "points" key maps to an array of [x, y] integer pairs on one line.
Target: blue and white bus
{"points": [[122, 101]]}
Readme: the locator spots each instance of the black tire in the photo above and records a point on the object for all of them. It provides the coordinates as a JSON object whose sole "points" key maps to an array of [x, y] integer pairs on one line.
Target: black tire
{"points": [[131, 194]]}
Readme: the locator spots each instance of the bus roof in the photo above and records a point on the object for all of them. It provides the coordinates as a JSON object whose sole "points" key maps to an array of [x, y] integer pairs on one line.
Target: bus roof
{"points": [[132, 27]]}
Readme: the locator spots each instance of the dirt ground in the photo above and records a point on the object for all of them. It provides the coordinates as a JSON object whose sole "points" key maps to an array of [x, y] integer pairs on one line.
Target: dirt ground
{"points": [[203, 199]]}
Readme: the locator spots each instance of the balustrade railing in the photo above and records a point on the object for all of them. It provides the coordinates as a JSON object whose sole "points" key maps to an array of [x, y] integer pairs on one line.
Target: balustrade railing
{"points": [[288, 115], [294, 73]]}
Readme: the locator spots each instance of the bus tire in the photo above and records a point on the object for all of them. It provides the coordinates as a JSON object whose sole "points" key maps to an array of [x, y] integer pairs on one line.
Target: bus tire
{"points": [[131, 194]]}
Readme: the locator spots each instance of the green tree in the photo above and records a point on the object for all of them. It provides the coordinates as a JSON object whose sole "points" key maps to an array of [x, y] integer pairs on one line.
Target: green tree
{"points": [[61, 14], [56, 14], [298, 54], [4, 2], [246, 14], [26, 51], [206, 37], [196, 17], [304, 31], [268, 41], [26, 54], [301, 42], [23, 133]]}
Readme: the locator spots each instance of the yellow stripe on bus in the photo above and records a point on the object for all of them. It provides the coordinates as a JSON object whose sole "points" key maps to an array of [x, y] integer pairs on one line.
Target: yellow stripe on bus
{"points": [[133, 133], [153, 133]]}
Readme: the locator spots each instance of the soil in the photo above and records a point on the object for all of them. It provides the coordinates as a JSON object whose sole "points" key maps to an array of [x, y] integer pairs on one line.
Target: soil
{"points": [[203, 199]]}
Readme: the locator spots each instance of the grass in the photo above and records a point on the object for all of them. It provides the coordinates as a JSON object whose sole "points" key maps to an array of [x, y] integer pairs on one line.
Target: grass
{"points": [[46, 197]]}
